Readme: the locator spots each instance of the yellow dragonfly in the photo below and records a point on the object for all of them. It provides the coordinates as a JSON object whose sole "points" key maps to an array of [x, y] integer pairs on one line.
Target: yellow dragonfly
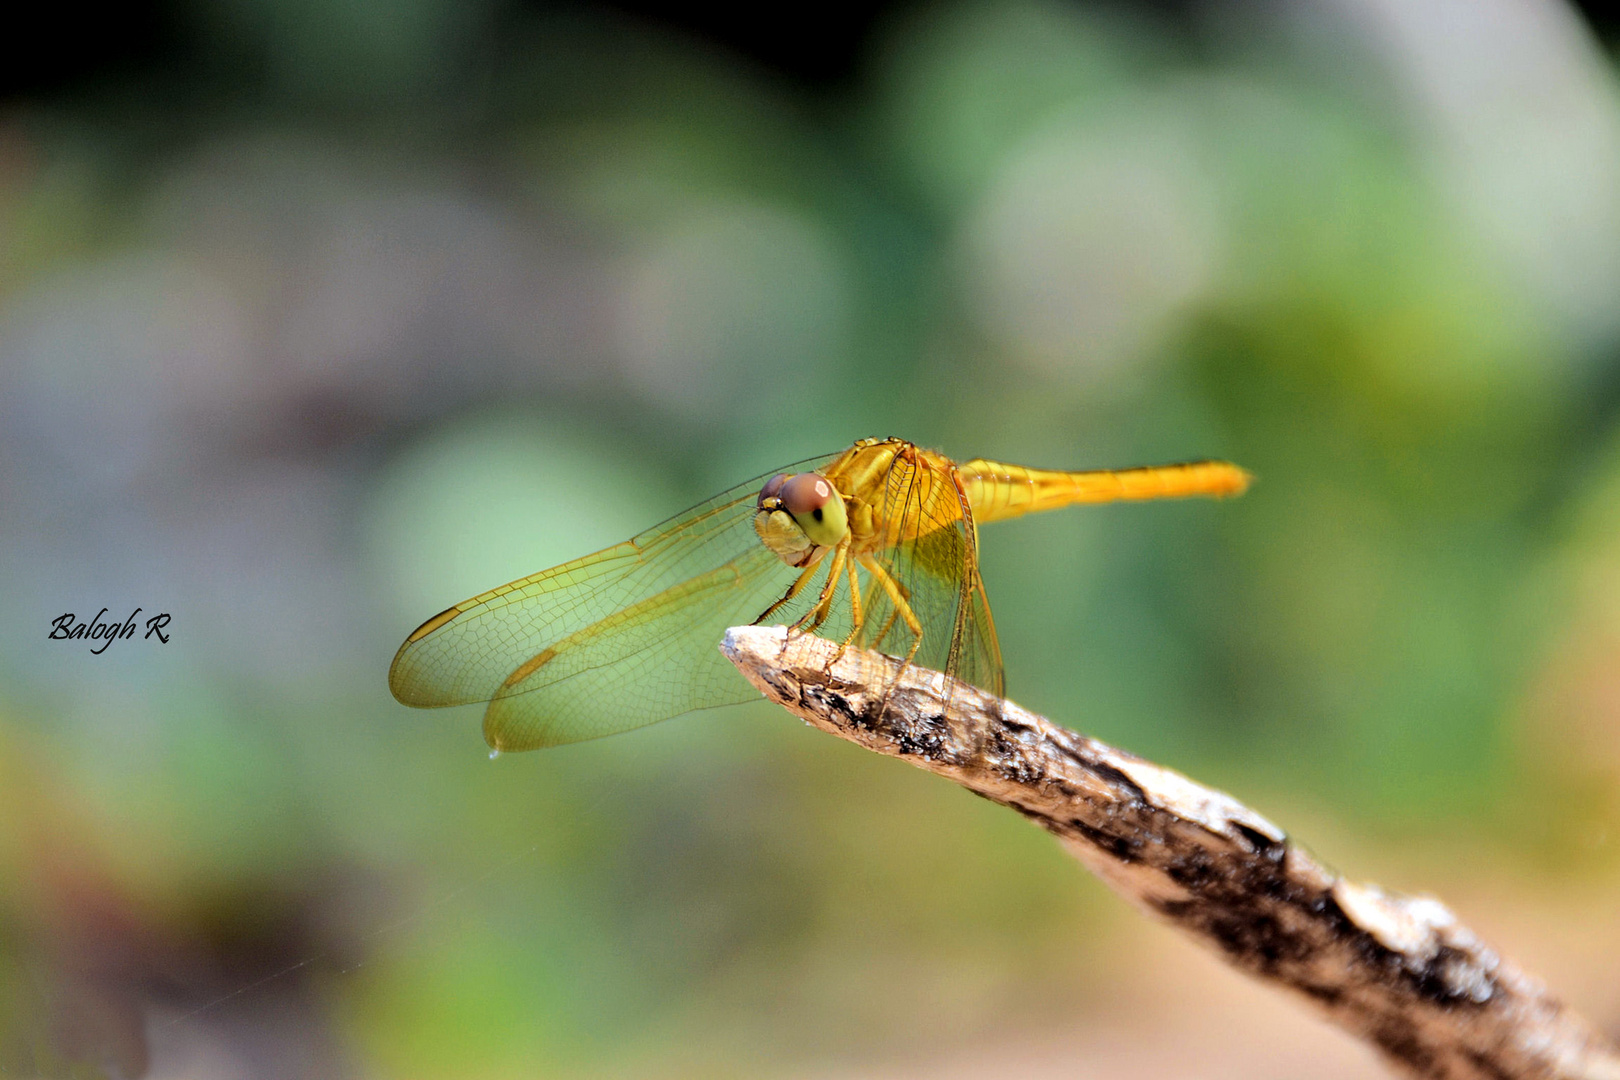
{"points": [[876, 546]]}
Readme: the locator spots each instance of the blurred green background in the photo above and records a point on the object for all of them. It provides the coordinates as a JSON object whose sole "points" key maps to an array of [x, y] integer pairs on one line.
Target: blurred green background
{"points": [[360, 309]]}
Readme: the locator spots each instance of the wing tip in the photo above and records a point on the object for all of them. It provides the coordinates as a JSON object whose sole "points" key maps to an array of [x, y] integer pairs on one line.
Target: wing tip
{"points": [[405, 683], [404, 692], [400, 682], [505, 734]]}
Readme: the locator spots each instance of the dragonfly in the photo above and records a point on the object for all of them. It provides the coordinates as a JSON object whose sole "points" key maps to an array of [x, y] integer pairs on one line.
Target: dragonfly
{"points": [[876, 546]]}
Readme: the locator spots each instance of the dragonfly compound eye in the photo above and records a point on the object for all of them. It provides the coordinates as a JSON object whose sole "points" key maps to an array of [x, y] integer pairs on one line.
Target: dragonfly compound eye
{"points": [[772, 489], [816, 506], [805, 493]]}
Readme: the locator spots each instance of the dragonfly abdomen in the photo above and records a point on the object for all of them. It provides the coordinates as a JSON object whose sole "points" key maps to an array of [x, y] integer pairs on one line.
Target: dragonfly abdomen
{"points": [[999, 491]]}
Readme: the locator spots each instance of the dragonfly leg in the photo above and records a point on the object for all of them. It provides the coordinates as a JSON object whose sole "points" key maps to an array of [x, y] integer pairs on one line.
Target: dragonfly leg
{"points": [[897, 597], [876, 641], [818, 614], [793, 590], [856, 618]]}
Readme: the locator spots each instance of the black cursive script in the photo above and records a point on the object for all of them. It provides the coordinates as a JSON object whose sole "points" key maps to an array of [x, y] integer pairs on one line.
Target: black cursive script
{"points": [[63, 628]]}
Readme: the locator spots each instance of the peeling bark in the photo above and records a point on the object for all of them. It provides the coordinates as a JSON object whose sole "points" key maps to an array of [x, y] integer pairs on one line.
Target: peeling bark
{"points": [[1401, 972]]}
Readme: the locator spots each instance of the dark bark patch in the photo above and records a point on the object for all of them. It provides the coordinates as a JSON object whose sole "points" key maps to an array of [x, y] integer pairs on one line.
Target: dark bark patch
{"points": [[1265, 846], [928, 737], [1114, 777], [1486, 1066], [1124, 848], [1400, 1042], [1327, 995]]}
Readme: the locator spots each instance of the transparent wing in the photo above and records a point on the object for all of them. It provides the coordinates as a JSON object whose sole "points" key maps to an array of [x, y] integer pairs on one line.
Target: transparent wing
{"points": [[933, 558], [613, 641]]}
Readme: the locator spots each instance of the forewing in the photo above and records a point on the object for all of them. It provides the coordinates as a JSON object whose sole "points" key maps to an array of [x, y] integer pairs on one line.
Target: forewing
{"points": [[654, 659], [613, 641]]}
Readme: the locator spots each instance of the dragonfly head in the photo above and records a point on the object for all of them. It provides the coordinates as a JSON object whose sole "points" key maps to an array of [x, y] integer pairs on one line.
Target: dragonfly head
{"points": [[797, 516]]}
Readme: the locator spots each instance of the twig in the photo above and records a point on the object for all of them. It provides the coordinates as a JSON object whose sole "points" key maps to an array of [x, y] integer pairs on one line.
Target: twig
{"points": [[1401, 972]]}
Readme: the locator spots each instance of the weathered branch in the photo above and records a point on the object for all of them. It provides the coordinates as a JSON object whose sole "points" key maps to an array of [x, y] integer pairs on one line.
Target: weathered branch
{"points": [[1401, 972]]}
